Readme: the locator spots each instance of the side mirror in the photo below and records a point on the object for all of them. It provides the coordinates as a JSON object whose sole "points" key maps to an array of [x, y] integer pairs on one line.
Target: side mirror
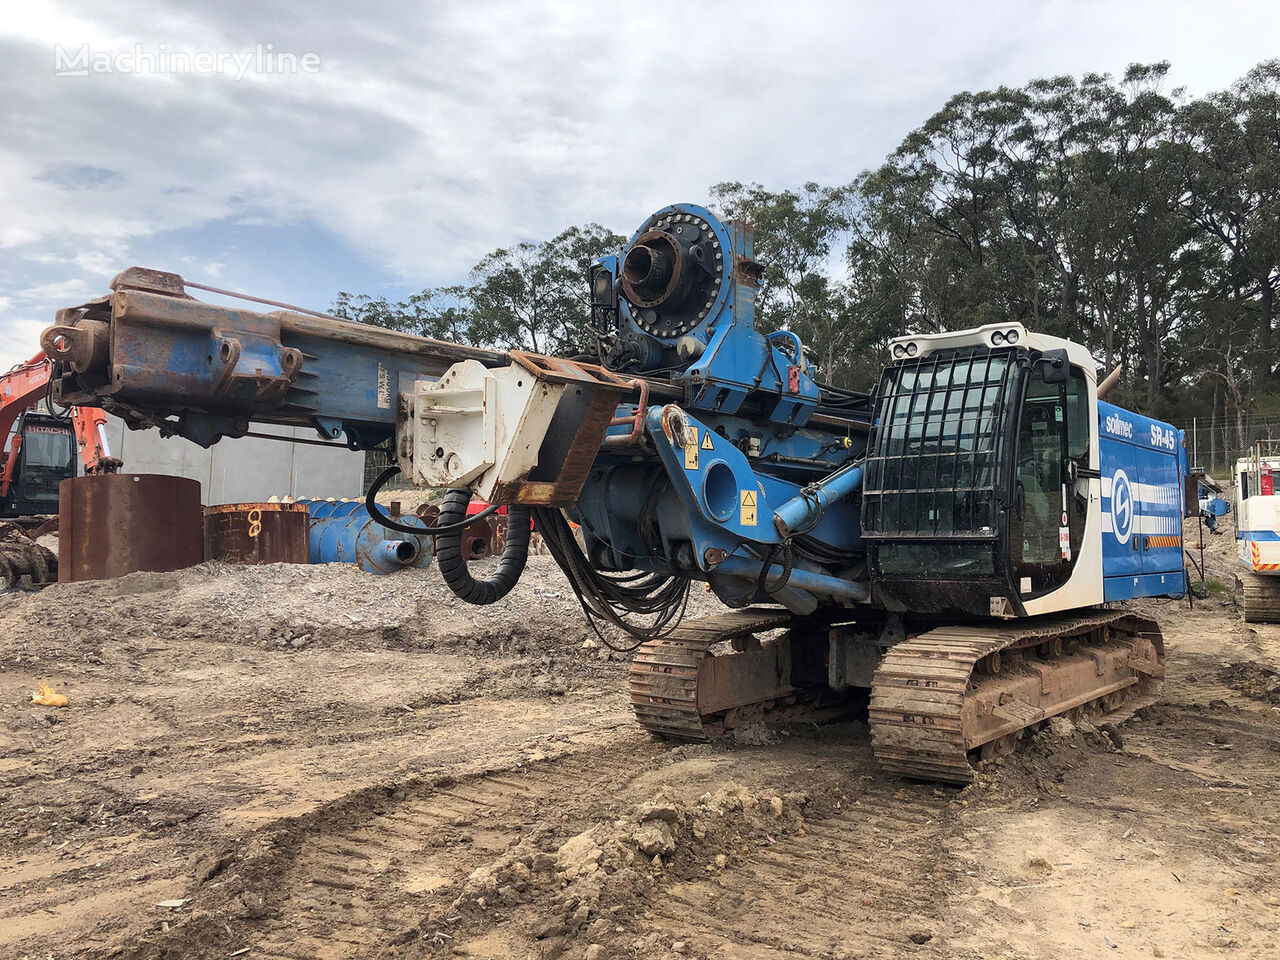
{"points": [[1054, 367]]}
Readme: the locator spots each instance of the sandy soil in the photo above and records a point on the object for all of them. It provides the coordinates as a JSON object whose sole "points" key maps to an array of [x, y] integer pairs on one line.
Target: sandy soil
{"points": [[314, 762]]}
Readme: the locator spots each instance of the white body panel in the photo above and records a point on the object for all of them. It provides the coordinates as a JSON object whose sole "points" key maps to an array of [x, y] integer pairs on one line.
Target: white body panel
{"points": [[478, 427], [1258, 515]]}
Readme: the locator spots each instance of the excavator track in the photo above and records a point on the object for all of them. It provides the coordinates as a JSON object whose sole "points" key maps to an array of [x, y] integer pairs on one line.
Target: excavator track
{"points": [[680, 691], [22, 560], [1261, 598], [942, 696]]}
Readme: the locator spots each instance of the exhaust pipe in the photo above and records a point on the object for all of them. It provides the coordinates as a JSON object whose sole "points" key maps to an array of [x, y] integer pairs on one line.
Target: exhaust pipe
{"points": [[1111, 380]]}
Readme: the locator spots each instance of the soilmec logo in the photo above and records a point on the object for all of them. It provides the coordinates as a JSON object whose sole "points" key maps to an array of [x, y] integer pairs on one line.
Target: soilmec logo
{"points": [[1121, 507], [1119, 428]]}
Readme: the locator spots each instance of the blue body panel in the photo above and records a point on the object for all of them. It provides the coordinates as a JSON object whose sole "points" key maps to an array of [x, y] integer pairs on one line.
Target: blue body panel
{"points": [[1142, 462]]}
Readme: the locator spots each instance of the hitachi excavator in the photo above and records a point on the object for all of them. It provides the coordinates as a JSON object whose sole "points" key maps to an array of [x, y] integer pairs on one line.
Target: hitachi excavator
{"points": [[39, 450], [951, 542]]}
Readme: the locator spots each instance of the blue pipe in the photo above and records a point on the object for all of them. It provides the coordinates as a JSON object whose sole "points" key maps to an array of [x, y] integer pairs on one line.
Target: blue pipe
{"points": [[799, 579], [343, 532], [802, 512]]}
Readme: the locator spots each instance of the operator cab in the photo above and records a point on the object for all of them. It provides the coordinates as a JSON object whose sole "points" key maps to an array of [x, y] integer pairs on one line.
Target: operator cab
{"points": [[46, 456], [976, 495]]}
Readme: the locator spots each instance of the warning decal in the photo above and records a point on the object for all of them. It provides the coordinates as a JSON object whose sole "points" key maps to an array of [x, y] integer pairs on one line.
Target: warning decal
{"points": [[706, 441], [747, 510], [691, 449]]}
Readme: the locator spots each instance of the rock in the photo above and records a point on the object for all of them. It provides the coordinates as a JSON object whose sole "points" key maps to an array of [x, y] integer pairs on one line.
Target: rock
{"points": [[659, 810], [250, 905], [594, 952], [1061, 727], [210, 867], [542, 863], [775, 806], [721, 861], [1110, 730], [552, 928], [920, 936], [482, 880], [579, 854], [654, 838]]}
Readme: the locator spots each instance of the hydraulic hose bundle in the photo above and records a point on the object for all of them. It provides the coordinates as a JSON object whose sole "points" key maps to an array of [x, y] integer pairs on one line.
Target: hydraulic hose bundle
{"points": [[613, 599], [453, 520]]}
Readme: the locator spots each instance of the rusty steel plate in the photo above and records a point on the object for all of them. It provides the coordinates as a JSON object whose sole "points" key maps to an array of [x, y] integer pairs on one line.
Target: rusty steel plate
{"points": [[257, 533], [120, 523]]}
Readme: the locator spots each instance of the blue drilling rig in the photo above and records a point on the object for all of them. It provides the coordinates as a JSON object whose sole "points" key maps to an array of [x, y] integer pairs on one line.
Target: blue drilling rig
{"points": [[947, 542]]}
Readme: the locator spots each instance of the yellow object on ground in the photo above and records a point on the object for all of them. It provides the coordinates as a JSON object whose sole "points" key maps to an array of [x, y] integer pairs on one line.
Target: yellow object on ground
{"points": [[46, 696]]}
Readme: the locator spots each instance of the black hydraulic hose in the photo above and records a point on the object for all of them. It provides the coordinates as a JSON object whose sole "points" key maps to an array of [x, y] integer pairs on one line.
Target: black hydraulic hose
{"points": [[453, 565], [371, 504]]}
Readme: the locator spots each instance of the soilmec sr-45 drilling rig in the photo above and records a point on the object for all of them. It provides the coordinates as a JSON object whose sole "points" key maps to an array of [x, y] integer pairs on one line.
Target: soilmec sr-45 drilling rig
{"points": [[947, 542]]}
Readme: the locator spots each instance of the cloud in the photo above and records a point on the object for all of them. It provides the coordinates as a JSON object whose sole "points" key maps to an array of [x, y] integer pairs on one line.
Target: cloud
{"points": [[432, 133]]}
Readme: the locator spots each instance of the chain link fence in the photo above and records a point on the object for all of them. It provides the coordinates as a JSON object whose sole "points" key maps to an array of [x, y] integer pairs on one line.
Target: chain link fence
{"points": [[375, 461], [1214, 444]]}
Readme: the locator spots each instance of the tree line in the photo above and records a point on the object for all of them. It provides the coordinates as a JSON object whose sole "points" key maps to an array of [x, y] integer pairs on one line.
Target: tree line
{"points": [[1118, 212]]}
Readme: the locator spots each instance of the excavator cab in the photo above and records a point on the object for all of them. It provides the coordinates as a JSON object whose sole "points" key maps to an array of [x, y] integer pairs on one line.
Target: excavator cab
{"points": [[44, 454], [970, 501]]}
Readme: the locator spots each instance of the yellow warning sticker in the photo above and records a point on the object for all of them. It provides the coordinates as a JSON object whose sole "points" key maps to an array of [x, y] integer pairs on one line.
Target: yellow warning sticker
{"points": [[691, 449], [747, 509], [706, 441]]}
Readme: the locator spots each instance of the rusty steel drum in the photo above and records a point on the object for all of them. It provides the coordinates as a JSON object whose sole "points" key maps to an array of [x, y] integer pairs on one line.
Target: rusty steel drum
{"points": [[257, 533], [484, 538], [120, 523]]}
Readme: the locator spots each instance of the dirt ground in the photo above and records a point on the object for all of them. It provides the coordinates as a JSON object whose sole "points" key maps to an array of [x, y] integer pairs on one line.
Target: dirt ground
{"points": [[312, 762]]}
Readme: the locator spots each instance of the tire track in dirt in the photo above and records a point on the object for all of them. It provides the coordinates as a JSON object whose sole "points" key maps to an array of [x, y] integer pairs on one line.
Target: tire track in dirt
{"points": [[870, 875], [363, 880]]}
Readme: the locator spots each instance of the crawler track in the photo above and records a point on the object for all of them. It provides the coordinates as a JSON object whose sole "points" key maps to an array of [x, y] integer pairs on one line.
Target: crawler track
{"points": [[1261, 598], [665, 673], [938, 697]]}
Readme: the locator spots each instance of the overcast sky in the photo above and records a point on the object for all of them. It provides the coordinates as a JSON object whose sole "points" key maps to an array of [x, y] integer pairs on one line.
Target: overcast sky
{"points": [[411, 142]]}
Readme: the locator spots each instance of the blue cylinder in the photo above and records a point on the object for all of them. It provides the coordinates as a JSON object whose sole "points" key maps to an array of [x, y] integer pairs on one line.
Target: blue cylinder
{"points": [[343, 532], [805, 510]]}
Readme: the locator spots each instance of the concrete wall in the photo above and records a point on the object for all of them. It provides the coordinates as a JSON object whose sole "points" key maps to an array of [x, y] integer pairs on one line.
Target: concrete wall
{"points": [[246, 469]]}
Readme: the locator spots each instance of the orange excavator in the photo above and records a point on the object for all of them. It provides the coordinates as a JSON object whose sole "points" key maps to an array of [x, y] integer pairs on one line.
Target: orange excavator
{"points": [[38, 449]]}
